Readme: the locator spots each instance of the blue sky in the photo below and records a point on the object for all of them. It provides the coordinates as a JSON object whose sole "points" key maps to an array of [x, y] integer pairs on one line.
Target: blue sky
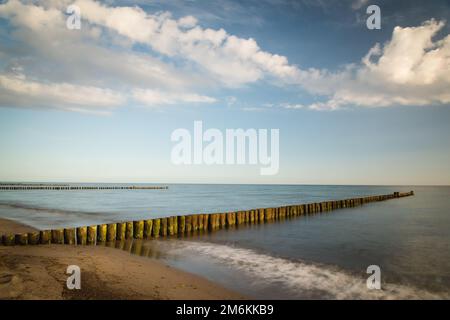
{"points": [[100, 103]]}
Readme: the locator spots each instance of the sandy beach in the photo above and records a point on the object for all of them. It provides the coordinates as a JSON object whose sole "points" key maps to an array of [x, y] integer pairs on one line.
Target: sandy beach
{"points": [[39, 272]]}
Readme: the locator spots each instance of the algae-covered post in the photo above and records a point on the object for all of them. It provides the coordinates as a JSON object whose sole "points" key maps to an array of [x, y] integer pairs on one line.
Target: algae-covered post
{"points": [[181, 224], [45, 237], [129, 232], [138, 229], [156, 227], [33, 237], [111, 232], [69, 236], [101, 233], [82, 235], [148, 224], [91, 235], [121, 231], [58, 236]]}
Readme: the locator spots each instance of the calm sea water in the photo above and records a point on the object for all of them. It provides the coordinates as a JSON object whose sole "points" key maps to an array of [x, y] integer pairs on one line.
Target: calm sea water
{"points": [[322, 256]]}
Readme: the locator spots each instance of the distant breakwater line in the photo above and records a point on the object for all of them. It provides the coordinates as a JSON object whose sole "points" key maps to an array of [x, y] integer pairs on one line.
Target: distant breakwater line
{"points": [[67, 187], [184, 225]]}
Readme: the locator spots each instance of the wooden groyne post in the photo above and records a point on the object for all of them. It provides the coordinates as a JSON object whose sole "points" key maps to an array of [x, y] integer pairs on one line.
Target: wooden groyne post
{"points": [[184, 225]]}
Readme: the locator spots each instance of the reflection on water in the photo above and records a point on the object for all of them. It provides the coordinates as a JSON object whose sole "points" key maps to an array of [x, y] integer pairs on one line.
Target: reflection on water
{"points": [[150, 248]]}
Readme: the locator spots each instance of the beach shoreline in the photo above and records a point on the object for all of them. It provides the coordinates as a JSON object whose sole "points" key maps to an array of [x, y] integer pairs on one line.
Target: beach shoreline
{"points": [[39, 272], [13, 227]]}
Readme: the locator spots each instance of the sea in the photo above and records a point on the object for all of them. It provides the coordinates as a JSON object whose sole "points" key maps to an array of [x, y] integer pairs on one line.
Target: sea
{"points": [[324, 256]]}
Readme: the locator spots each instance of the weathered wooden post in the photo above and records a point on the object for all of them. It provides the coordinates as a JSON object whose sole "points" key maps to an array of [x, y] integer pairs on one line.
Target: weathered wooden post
{"points": [[181, 225], [148, 224], [282, 212], [170, 226], [188, 225], [223, 220], [45, 237], [293, 210], [267, 214], [201, 221], [211, 221], [194, 222], [252, 216], [101, 233], [33, 237], [129, 232], [8, 239], [214, 221], [156, 227], [317, 207], [175, 225], [163, 231], [82, 235], [261, 215], [58, 236], [218, 224], [111, 232], [92, 235], [247, 216], [206, 218], [230, 220], [69, 236], [138, 229], [121, 231]]}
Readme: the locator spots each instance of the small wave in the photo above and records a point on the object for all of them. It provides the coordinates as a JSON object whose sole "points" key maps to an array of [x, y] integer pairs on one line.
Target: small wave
{"points": [[48, 218], [304, 279], [15, 205]]}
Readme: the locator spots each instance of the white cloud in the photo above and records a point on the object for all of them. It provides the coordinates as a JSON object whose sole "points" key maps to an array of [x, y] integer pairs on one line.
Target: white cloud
{"points": [[412, 69], [18, 89], [158, 98], [231, 60], [55, 60], [292, 106], [411, 57]]}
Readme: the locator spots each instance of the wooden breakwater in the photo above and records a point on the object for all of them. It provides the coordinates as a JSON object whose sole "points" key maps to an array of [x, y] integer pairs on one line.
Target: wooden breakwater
{"points": [[69, 187], [183, 225]]}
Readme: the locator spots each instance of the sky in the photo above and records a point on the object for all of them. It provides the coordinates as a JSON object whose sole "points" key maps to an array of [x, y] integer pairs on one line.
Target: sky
{"points": [[99, 103]]}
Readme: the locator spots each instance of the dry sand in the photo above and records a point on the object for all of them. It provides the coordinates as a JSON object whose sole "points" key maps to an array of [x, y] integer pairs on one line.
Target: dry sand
{"points": [[39, 272]]}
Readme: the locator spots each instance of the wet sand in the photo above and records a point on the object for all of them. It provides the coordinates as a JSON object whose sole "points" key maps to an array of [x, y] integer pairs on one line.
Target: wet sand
{"points": [[9, 226], [39, 272]]}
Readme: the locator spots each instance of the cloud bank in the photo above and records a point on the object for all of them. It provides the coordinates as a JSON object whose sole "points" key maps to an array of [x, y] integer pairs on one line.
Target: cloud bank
{"points": [[125, 55]]}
